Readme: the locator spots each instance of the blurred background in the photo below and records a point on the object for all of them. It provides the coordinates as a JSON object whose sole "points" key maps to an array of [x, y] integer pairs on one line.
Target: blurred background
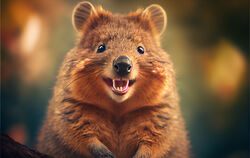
{"points": [[207, 39]]}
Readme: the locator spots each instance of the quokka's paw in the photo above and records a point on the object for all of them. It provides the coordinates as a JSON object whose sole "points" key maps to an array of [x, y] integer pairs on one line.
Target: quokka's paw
{"points": [[100, 151], [143, 152]]}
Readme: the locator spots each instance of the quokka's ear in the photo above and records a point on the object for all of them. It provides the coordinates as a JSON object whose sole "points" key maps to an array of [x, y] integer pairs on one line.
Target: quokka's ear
{"points": [[81, 13], [157, 16]]}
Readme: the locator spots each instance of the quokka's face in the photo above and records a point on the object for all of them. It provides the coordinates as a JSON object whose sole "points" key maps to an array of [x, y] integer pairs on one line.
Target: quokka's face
{"points": [[119, 56]]}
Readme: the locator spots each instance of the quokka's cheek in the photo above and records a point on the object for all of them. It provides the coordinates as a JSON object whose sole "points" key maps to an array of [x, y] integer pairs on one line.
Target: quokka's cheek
{"points": [[82, 64]]}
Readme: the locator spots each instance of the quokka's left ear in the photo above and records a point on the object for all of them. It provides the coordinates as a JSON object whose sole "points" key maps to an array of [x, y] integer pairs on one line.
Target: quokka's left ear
{"points": [[157, 16], [81, 13]]}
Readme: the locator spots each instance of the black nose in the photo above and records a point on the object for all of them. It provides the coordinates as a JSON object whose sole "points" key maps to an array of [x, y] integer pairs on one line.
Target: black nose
{"points": [[122, 65]]}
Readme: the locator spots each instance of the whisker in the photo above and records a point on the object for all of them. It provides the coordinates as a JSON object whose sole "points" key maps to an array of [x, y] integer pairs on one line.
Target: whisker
{"points": [[64, 88], [73, 81]]}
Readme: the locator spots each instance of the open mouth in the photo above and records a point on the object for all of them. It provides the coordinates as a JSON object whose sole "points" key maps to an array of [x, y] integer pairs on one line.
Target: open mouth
{"points": [[119, 86]]}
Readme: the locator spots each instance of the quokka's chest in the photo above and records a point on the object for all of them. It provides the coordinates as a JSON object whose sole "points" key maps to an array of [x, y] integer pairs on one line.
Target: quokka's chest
{"points": [[122, 137]]}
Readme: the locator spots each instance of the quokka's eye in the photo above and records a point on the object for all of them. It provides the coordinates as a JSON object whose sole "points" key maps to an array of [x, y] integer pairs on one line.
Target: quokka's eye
{"points": [[101, 48], [140, 49]]}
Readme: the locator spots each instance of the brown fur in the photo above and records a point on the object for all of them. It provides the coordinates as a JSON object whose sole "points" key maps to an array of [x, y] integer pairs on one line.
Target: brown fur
{"points": [[82, 118]]}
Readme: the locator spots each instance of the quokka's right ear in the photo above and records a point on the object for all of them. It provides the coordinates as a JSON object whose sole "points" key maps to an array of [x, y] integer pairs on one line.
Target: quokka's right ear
{"points": [[81, 13], [157, 16]]}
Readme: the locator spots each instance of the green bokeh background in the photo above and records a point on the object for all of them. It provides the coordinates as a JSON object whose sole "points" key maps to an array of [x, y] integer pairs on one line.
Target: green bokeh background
{"points": [[201, 36]]}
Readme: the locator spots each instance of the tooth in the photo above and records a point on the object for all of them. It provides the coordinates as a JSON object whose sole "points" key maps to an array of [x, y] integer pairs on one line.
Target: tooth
{"points": [[120, 88], [114, 83], [127, 84]]}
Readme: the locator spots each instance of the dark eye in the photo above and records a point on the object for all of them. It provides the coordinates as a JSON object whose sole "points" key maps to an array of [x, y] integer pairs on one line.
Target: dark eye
{"points": [[101, 48], [140, 49]]}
